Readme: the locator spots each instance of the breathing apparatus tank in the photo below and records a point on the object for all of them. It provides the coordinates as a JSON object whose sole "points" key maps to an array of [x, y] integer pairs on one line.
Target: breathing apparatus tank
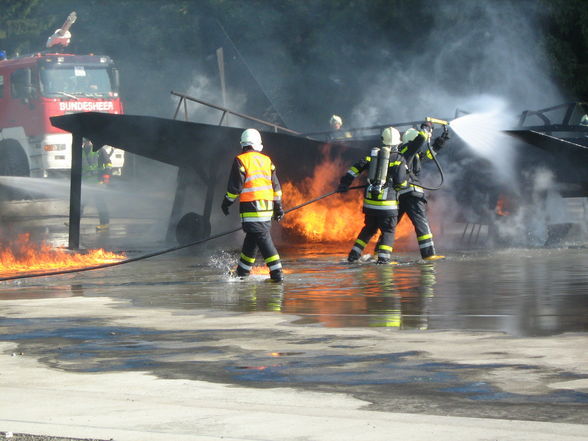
{"points": [[380, 160], [378, 171]]}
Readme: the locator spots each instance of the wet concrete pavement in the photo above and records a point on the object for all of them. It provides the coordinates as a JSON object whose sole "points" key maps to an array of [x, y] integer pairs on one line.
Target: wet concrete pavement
{"points": [[486, 343]]}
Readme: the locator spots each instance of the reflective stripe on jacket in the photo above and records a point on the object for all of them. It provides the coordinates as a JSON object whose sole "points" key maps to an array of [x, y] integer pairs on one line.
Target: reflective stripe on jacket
{"points": [[253, 180], [384, 203], [258, 177]]}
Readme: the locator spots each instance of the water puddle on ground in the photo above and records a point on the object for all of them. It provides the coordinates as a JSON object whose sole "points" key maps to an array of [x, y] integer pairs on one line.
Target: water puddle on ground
{"points": [[523, 292]]}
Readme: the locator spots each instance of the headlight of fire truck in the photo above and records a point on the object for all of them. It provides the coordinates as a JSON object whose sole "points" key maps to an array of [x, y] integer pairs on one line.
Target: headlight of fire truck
{"points": [[54, 147]]}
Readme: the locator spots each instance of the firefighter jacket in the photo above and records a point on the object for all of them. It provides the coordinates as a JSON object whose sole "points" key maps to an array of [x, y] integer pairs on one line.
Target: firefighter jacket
{"points": [[253, 180], [414, 152], [384, 202], [95, 164]]}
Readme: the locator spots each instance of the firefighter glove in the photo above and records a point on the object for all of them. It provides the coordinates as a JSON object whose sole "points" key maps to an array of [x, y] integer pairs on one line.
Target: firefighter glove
{"points": [[344, 183], [278, 211], [445, 134], [440, 141], [225, 206]]}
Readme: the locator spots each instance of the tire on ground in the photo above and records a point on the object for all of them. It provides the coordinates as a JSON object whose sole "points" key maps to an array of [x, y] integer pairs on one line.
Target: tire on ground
{"points": [[191, 228]]}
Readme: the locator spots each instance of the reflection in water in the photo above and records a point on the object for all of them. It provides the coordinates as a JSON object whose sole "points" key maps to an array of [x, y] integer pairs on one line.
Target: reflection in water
{"points": [[521, 292], [365, 295], [44, 292]]}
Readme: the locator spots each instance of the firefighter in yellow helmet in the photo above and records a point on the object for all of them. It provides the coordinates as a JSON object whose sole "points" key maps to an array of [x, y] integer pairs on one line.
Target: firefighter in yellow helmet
{"points": [[415, 148], [253, 180], [386, 176]]}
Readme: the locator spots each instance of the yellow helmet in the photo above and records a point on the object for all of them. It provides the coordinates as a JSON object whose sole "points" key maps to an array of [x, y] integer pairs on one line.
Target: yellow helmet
{"points": [[409, 135], [390, 136]]}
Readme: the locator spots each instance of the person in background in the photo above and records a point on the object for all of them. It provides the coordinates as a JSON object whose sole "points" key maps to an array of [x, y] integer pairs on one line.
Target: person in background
{"points": [[97, 168], [254, 181], [412, 201], [387, 176], [337, 132]]}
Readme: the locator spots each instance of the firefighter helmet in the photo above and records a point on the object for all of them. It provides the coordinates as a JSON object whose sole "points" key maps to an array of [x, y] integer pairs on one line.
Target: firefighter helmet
{"points": [[409, 135], [584, 120], [251, 137], [390, 136], [427, 128], [427, 125], [336, 119]]}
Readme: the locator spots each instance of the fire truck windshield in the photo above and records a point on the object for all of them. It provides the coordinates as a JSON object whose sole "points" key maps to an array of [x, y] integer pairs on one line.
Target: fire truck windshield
{"points": [[76, 81]]}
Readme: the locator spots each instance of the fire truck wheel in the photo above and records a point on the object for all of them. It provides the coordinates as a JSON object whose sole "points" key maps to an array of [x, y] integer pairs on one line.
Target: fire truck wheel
{"points": [[191, 228], [13, 160]]}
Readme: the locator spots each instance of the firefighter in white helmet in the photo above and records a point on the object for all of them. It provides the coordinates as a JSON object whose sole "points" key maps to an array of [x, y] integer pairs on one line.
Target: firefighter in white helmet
{"points": [[386, 176], [253, 180], [337, 132], [415, 148]]}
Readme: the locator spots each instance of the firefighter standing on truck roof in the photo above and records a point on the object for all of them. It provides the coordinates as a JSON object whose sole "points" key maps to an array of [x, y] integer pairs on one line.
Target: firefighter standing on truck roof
{"points": [[97, 167], [387, 175], [253, 180], [412, 200]]}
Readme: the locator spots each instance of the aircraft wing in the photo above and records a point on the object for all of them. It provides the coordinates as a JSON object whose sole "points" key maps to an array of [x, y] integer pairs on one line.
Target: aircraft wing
{"points": [[551, 143], [189, 144]]}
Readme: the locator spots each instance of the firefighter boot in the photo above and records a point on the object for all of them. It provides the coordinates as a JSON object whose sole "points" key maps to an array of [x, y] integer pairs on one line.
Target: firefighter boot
{"points": [[434, 257], [353, 256], [385, 261], [277, 275], [242, 273]]}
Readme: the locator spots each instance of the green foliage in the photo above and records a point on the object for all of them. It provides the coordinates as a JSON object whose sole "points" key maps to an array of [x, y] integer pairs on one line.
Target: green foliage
{"points": [[567, 43], [18, 25]]}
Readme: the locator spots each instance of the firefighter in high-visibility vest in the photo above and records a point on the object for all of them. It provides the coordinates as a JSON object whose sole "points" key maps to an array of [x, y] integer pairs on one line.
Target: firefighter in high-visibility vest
{"points": [[387, 176], [253, 180], [97, 169], [415, 148]]}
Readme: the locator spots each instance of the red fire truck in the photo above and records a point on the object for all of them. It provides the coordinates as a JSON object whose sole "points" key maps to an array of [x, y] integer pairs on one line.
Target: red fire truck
{"points": [[38, 86]]}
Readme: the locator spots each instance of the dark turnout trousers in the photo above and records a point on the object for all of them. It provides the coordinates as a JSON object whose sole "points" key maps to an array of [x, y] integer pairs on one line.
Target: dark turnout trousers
{"points": [[258, 236], [385, 246], [416, 209]]}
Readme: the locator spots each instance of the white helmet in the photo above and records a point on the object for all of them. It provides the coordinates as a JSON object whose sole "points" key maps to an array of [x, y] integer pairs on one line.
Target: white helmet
{"points": [[409, 135], [584, 121], [251, 137], [390, 136], [336, 119]]}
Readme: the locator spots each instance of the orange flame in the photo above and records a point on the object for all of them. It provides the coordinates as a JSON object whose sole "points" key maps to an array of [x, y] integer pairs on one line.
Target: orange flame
{"points": [[23, 256], [334, 219]]}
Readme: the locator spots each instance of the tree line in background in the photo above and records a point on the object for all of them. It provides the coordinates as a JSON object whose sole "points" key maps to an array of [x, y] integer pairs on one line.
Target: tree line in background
{"points": [[158, 43]]}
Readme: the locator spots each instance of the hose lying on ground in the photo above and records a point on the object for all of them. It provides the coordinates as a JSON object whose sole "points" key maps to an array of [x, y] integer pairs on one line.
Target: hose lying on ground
{"points": [[160, 252]]}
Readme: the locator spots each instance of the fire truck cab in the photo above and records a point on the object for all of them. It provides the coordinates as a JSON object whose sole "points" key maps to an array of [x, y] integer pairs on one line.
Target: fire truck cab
{"points": [[36, 87]]}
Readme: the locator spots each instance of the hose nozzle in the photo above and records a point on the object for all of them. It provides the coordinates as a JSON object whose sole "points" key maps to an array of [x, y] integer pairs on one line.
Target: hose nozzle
{"points": [[437, 121]]}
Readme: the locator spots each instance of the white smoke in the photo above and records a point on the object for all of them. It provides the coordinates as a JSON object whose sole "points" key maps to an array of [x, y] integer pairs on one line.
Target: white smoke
{"points": [[473, 50], [206, 89]]}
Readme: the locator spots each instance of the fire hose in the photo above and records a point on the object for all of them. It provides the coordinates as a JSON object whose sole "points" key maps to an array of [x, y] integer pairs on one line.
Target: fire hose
{"points": [[160, 252], [434, 155]]}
